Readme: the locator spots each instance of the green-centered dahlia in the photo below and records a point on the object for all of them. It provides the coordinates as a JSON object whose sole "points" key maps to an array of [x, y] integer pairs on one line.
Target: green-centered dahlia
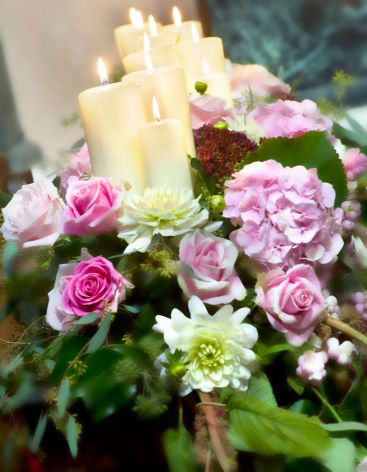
{"points": [[216, 349], [167, 211]]}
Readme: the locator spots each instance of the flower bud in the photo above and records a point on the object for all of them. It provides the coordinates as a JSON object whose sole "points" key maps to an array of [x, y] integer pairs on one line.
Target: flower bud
{"points": [[201, 87], [217, 203]]}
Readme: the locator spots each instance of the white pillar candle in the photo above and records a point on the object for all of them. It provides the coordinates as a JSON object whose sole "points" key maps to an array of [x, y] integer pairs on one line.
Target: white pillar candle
{"points": [[183, 28], [111, 115], [162, 38], [161, 56], [164, 152], [217, 82], [168, 85]]}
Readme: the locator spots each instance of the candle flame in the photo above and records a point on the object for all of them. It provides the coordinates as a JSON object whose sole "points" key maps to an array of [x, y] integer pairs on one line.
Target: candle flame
{"points": [[139, 20], [177, 18], [132, 15], [156, 112], [206, 67], [195, 33], [147, 58], [103, 76], [152, 26]]}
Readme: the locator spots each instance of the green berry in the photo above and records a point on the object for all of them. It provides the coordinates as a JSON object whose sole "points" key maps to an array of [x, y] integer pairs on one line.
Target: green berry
{"points": [[217, 203], [201, 87], [221, 125]]}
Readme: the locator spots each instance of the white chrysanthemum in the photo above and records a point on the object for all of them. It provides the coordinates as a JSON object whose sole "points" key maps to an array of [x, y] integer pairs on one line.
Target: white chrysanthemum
{"points": [[217, 349], [167, 211]]}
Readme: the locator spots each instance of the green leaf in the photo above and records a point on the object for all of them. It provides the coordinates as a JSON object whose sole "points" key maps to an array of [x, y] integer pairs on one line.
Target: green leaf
{"points": [[101, 334], [10, 252], [264, 429], [206, 179], [260, 388], [38, 434], [312, 150], [12, 366], [4, 199], [72, 434], [87, 319], [340, 457], [63, 397], [344, 426], [296, 384], [179, 450]]}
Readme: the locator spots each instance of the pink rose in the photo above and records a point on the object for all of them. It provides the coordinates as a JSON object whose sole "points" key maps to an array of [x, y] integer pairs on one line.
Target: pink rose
{"points": [[355, 163], [206, 269], [289, 119], [207, 110], [93, 206], [292, 300], [259, 80], [77, 165], [32, 217], [90, 286]]}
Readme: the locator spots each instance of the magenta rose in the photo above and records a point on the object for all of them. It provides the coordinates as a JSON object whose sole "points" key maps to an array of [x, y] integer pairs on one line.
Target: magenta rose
{"points": [[206, 269], [207, 110], [292, 300], [32, 217], [93, 206], [90, 286]]}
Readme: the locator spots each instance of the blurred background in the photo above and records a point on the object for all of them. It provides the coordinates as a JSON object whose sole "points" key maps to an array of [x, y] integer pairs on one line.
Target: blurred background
{"points": [[48, 53]]}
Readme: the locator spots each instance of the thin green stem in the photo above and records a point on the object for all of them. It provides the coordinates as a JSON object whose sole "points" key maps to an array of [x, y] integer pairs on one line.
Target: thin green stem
{"points": [[325, 402], [346, 329]]}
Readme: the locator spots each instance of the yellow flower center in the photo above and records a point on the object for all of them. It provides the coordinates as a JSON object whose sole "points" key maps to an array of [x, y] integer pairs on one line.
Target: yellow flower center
{"points": [[207, 353]]}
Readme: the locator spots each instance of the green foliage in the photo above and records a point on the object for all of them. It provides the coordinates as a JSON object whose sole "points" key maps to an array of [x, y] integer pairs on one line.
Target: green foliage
{"points": [[63, 397], [73, 119], [342, 82], [312, 150], [354, 136], [101, 334], [258, 427], [35, 441], [340, 457], [87, 319], [4, 199], [260, 388], [345, 426], [73, 430], [179, 450]]}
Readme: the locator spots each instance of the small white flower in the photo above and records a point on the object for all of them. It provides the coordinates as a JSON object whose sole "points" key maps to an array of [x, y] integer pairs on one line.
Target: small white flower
{"points": [[340, 353], [253, 130], [311, 366], [217, 349], [167, 211]]}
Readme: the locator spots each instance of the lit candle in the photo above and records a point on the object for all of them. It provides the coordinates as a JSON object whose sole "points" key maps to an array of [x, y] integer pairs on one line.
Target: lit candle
{"points": [[168, 85], [161, 56], [193, 53], [164, 153], [111, 115], [183, 27], [217, 82], [127, 36]]}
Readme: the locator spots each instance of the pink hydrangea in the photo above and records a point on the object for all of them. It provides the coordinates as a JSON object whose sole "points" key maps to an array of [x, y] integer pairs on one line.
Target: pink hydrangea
{"points": [[257, 78], [289, 119], [286, 214], [206, 269], [355, 163], [207, 110], [77, 165]]}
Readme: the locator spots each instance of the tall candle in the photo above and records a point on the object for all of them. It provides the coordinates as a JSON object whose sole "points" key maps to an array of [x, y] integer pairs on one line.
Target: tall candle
{"points": [[164, 152], [111, 115], [193, 53], [168, 85], [217, 82], [183, 28], [162, 38], [161, 56]]}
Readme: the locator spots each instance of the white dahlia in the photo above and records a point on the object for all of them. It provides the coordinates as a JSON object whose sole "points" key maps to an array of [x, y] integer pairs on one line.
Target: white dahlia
{"points": [[216, 349], [167, 211]]}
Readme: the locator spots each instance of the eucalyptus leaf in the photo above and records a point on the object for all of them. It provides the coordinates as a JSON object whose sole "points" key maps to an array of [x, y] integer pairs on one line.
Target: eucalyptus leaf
{"points": [[63, 397], [87, 319], [38, 434], [312, 150], [345, 426], [72, 433], [179, 450], [258, 427], [101, 334]]}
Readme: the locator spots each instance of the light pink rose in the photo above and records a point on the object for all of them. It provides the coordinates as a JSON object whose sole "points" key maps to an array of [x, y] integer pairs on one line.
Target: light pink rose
{"points": [[32, 217], [77, 165], [90, 286], [285, 214], [207, 110], [93, 206], [311, 366], [259, 80], [289, 119], [292, 300], [355, 163], [206, 269]]}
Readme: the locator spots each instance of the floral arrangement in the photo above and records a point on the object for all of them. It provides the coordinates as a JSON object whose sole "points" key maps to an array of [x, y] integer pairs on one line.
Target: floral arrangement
{"points": [[237, 315]]}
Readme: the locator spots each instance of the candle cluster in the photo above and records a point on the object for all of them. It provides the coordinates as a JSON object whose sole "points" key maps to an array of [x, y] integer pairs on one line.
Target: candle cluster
{"points": [[139, 130]]}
